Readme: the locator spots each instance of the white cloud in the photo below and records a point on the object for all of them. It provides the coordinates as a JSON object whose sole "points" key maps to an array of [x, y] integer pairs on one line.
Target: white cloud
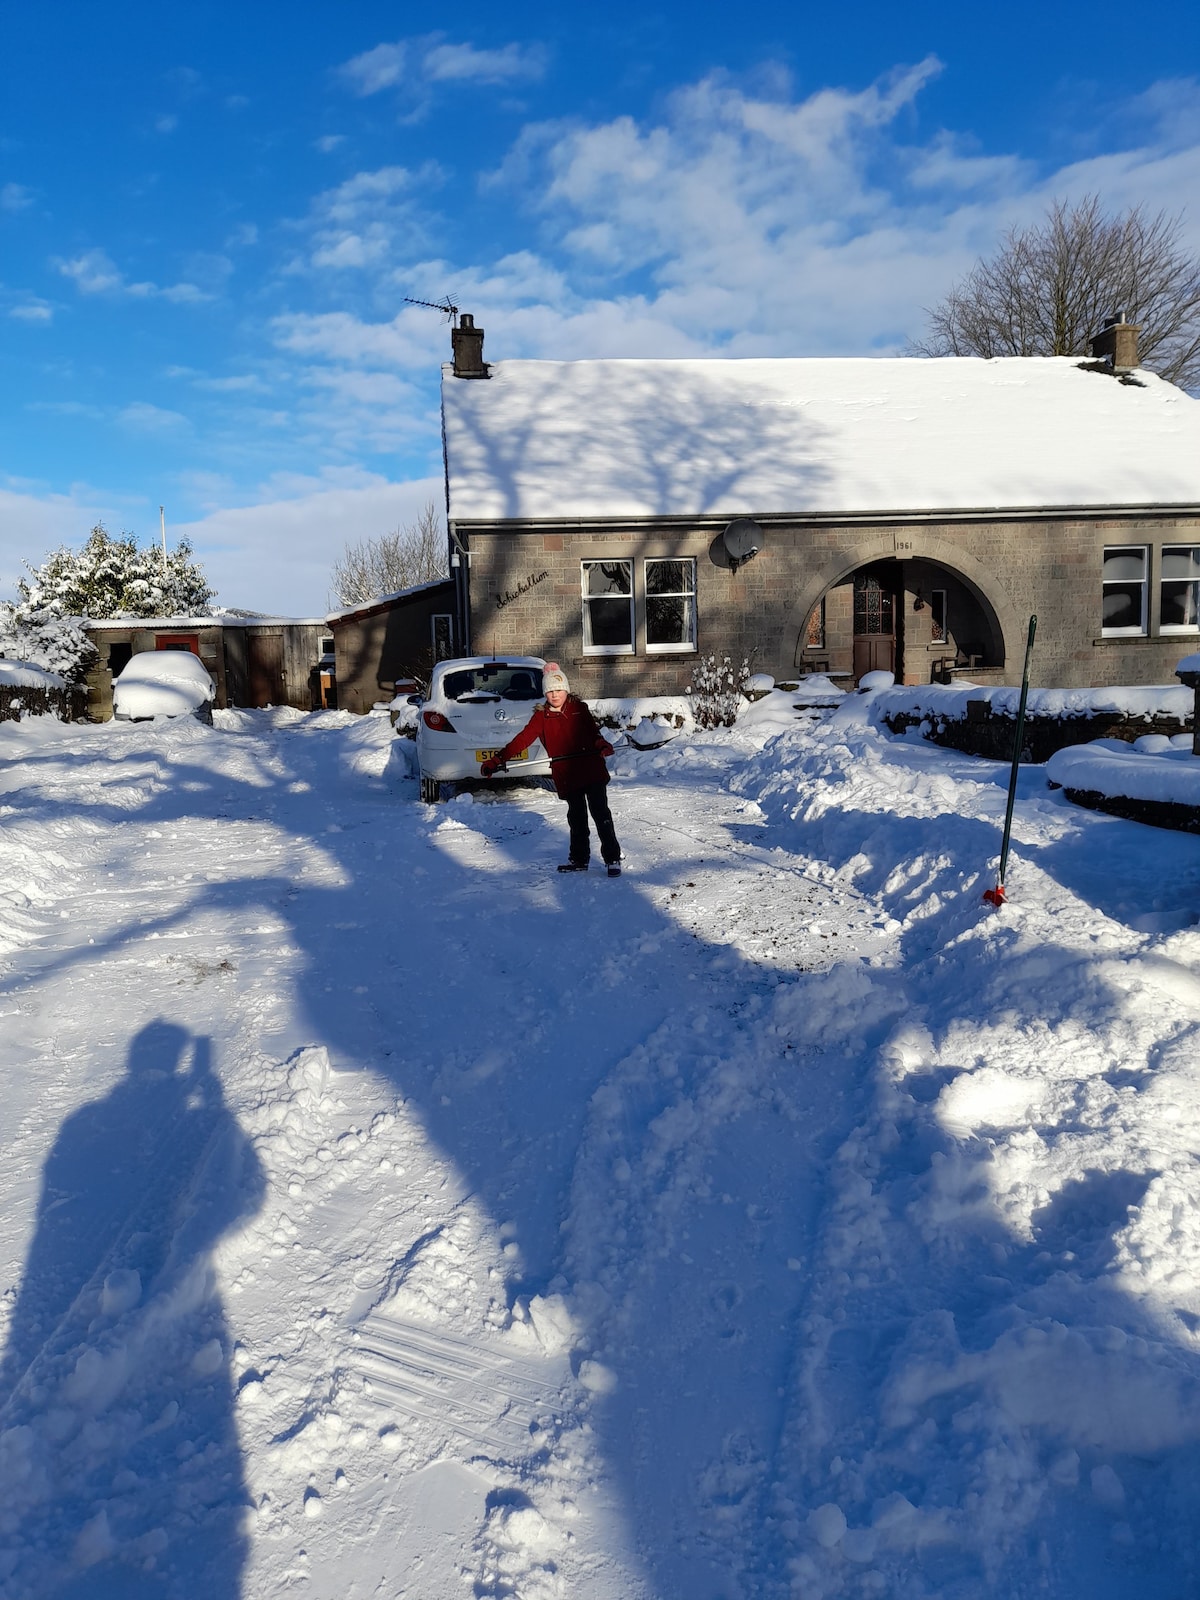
{"points": [[35, 520], [277, 554], [94, 272], [459, 63], [357, 224], [329, 142], [166, 124], [32, 311], [373, 70], [142, 417], [15, 197], [242, 383], [412, 66], [743, 223], [273, 551]]}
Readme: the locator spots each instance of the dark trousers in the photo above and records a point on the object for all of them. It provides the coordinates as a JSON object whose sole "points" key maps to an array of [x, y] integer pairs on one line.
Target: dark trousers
{"points": [[595, 800]]}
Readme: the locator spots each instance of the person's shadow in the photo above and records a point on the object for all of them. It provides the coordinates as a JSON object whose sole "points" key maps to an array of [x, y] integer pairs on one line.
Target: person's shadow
{"points": [[118, 1450]]}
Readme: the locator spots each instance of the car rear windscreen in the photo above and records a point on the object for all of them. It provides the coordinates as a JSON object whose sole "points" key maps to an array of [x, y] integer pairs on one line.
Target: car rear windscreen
{"points": [[509, 683]]}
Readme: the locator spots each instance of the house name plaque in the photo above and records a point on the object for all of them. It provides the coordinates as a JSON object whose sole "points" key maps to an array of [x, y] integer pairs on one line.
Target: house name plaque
{"points": [[525, 585]]}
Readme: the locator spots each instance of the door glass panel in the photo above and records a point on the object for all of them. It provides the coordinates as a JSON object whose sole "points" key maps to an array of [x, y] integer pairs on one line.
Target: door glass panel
{"points": [[874, 607]]}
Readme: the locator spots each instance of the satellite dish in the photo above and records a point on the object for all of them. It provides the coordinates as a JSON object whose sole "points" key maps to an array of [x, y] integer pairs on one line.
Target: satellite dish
{"points": [[718, 554], [743, 538]]}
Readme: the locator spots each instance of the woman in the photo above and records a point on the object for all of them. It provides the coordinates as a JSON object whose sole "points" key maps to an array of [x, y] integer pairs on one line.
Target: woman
{"points": [[577, 749]]}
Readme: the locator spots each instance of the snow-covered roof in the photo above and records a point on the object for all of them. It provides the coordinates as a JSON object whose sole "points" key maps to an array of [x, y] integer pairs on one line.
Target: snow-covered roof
{"points": [[381, 601], [218, 619], [543, 440]]}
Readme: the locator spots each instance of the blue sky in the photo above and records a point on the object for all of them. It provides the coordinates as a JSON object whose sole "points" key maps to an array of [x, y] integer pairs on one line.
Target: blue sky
{"points": [[210, 216]]}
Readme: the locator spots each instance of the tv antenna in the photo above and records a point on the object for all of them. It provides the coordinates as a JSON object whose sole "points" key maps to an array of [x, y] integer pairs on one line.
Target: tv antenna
{"points": [[445, 305]]}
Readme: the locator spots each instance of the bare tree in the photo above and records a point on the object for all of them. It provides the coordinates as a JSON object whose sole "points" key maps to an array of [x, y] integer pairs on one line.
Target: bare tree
{"points": [[1051, 287], [415, 553]]}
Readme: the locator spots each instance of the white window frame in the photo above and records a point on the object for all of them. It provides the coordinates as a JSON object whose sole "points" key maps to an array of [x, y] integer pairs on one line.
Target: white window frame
{"points": [[590, 649], [1173, 629], [1142, 629], [689, 646]]}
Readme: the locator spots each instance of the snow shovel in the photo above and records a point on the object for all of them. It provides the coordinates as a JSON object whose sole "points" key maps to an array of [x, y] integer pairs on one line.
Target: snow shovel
{"points": [[995, 897]]}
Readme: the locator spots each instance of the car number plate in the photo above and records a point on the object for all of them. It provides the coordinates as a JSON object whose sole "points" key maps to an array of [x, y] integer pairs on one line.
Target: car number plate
{"points": [[487, 755]]}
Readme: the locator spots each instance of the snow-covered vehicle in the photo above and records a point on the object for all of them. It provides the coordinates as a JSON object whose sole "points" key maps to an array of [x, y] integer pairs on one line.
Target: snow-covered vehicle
{"points": [[163, 683], [474, 707]]}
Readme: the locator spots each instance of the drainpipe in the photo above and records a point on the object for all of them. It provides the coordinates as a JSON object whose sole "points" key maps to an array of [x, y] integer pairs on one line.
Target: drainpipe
{"points": [[460, 564]]}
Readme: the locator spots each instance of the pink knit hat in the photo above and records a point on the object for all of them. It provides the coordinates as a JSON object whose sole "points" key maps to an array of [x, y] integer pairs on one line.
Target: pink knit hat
{"points": [[554, 678]]}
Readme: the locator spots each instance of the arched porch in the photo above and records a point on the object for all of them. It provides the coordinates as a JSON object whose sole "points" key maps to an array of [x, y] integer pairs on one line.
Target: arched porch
{"points": [[916, 615]]}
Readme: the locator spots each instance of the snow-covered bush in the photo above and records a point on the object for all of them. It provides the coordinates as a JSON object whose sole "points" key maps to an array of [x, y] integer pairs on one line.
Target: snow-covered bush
{"points": [[717, 690], [54, 643], [116, 578]]}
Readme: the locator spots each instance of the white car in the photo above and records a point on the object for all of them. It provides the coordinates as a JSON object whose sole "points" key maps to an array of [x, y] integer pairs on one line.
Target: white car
{"points": [[163, 683], [474, 707]]}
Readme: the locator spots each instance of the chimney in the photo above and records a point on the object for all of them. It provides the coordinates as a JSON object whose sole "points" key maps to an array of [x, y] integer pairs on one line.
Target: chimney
{"points": [[467, 343], [1117, 344]]}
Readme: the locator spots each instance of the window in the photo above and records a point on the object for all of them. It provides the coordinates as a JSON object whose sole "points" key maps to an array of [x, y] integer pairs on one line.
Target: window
{"points": [[937, 616], [671, 605], [1180, 589], [607, 607], [498, 680], [874, 606], [814, 628], [1124, 600], [442, 631]]}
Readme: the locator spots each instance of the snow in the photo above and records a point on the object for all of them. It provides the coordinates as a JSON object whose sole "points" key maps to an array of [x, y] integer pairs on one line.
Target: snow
{"points": [[162, 683], [949, 701], [23, 675], [384, 1214], [875, 682], [1148, 770], [383, 600], [602, 438]]}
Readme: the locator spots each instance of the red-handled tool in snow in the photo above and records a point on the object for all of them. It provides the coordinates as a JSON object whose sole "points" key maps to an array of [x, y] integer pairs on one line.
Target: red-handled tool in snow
{"points": [[995, 897]]}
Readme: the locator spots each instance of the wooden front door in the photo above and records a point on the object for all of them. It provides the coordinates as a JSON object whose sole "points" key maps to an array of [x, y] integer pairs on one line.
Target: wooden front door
{"points": [[874, 625], [264, 669]]}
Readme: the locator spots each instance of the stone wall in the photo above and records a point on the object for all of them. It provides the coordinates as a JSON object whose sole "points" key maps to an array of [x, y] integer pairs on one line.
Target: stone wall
{"points": [[525, 596], [68, 704]]}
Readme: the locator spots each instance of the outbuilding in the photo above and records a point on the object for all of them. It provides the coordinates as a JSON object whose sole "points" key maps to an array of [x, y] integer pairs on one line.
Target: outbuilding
{"points": [[254, 661], [628, 516], [392, 638]]}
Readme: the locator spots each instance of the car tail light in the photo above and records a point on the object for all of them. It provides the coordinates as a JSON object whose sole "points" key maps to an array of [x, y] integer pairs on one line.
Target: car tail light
{"points": [[436, 721]]}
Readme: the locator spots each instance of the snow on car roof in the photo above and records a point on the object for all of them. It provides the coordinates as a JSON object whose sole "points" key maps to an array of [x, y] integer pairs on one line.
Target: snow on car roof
{"points": [[165, 666], [553, 439]]}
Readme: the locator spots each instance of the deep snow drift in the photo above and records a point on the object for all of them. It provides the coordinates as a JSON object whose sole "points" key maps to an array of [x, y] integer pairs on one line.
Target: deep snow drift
{"points": [[386, 1215]]}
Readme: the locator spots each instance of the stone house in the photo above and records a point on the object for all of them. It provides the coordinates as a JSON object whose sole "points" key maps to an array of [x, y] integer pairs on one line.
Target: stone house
{"points": [[626, 516]]}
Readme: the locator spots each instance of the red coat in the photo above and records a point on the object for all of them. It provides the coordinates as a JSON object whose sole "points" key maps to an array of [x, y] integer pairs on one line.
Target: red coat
{"points": [[573, 742]]}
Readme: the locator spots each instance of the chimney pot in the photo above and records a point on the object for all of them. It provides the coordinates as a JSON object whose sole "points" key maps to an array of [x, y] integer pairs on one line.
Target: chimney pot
{"points": [[466, 341], [1117, 343]]}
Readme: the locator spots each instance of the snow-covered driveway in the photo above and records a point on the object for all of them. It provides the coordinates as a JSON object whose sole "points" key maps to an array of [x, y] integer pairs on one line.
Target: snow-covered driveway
{"points": [[388, 1215]]}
